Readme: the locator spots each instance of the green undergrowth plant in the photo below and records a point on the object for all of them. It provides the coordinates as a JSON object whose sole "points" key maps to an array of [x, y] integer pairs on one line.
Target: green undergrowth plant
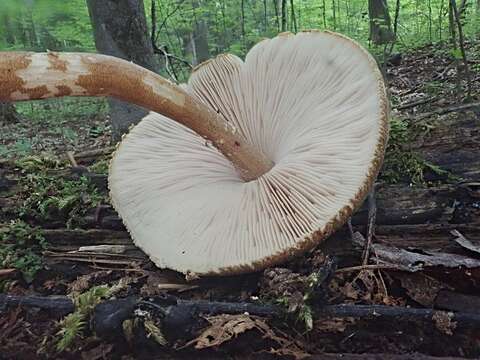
{"points": [[401, 162], [50, 195], [299, 304], [101, 166], [56, 112], [73, 325], [20, 246]]}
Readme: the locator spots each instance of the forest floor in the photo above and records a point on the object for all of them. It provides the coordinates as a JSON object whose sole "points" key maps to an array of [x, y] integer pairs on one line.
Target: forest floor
{"points": [[417, 296]]}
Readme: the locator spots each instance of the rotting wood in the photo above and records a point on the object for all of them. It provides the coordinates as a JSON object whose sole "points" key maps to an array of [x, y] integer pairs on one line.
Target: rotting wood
{"points": [[179, 315], [454, 301], [60, 305], [396, 205], [89, 156], [380, 356], [396, 313]]}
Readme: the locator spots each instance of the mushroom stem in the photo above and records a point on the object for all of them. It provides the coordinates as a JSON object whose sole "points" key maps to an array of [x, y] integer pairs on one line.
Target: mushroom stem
{"points": [[32, 76]]}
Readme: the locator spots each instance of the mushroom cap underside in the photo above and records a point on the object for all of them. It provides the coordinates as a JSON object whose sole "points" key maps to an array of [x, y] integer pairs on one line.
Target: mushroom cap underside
{"points": [[314, 103]]}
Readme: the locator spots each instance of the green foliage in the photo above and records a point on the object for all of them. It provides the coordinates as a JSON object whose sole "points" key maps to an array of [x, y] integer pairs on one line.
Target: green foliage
{"points": [[18, 242], [100, 166], [21, 147], [51, 197], [56, 112], [402, 163], [65, 25], [73, 324], [45, 25], [301, 306]]}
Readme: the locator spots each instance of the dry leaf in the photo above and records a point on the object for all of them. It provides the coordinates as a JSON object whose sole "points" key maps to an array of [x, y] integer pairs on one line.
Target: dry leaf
{"points": [[421, 288], [225, 327], [333, 324], [443, 322]]}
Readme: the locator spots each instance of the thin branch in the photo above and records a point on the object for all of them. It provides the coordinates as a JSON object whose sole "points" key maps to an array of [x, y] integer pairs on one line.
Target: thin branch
{"points": [[445, 110], [369, 267], [164, 22], [372, 215]]}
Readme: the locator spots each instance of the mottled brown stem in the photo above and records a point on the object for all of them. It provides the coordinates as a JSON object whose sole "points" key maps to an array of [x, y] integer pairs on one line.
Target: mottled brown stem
{"points": [[31, 76]]}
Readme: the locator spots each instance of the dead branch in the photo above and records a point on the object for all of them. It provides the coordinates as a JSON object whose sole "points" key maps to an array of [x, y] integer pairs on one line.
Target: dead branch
{"points": [[60, 305], [91, 155], [445, 110], [416, 103], [396, 313], [380, 356]]}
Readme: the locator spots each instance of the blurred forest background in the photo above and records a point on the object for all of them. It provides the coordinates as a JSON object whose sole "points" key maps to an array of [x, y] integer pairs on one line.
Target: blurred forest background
{"points": [[172, 36], [191, 29]]}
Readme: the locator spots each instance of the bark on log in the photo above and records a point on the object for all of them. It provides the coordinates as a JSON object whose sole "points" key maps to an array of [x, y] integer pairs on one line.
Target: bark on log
{"points": [[381, 356]]}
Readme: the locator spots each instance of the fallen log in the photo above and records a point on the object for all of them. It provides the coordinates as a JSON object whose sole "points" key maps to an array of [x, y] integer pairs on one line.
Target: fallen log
{"points": [[180, 319], [59, 305], [380, 356], [399, 313]]}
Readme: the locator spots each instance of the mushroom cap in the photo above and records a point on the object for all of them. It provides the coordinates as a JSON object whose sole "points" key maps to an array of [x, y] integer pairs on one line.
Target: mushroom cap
{"points": [[315, 103]]}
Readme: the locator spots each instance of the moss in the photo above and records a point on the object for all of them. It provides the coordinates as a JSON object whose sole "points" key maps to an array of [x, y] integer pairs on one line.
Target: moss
{"points": [[401, 162], [73, 324], [48, 196]]}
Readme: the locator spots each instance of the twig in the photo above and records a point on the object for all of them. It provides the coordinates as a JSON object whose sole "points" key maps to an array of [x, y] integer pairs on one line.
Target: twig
{"points": [[7, 272], [445, 110], [369, 267], [71, 159], [161, 50], [179, 4], [416, 103], [94, 153], [372, 215], [350, 228]]}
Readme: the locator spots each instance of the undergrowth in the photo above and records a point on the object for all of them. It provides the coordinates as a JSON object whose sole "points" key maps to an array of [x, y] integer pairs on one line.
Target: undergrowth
{"points": [[73, 324], [401, 162], [20, 245], [56, 112], [52, 197]]}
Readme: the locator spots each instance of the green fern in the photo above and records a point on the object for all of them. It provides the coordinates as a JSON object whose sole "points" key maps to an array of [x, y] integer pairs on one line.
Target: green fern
{"points": [[73, 325]]}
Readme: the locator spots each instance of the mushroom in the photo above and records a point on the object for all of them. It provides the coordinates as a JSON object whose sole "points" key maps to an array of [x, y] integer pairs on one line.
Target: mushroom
{"points": [[248, 164]]}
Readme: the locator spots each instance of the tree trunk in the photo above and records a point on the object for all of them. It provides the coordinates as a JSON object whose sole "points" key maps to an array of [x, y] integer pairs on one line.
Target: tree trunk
{"points": [[294, 18], [334, 15], [200, 36], [380, 24], [7, 113], [198, 44], [284, 15], [120, 29]]}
